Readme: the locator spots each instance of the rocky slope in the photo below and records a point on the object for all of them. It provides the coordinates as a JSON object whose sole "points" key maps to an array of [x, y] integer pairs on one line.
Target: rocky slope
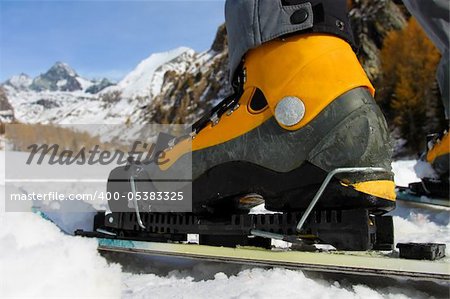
{"points": [[184, 96], [6, 110]]}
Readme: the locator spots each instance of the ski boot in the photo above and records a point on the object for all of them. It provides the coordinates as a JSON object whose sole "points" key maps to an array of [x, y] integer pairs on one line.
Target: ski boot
{"points": [[302, 115], [435, 181], [296, 120]]}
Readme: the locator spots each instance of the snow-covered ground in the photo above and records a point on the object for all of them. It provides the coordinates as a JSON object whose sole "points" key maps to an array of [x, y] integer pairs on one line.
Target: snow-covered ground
{"points": [[409, 171], [251, 283], [404, 172], [37, 260], [416, 222]]}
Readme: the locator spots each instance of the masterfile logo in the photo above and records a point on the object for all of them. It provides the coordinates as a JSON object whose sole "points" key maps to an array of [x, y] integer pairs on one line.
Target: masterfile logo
{"points": [[110, 167]]}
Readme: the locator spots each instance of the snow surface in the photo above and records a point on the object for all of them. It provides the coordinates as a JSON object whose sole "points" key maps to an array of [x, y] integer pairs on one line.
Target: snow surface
{"points": [[249, 283], [409, 171], [404, 172], [37, 260], [415, 222]]}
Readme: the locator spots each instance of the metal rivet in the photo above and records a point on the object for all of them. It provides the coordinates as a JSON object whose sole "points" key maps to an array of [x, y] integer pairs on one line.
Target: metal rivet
{"points": [[299, 16], [214, 119], [111, 219], [233, 109], [290, 111]]}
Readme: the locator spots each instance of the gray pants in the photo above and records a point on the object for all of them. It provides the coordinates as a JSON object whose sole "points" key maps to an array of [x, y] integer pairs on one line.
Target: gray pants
{"points": [[433, 15]]}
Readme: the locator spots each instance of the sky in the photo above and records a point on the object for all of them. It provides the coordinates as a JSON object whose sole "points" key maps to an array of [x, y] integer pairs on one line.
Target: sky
{"points": [[100, 38]]}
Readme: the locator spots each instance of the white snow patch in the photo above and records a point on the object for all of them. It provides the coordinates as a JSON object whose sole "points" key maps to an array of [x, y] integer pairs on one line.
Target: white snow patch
{"points": [[404, 172], [85, 83], [38, 260], [21, 81], [425, 170], [410, 171], [422, 224], [418, 228], [61, 83], [51, 264]]}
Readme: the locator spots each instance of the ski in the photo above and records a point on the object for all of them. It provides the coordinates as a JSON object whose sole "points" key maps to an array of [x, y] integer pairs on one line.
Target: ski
{"points": [[406, 194], [360, 263], [352, 263]]}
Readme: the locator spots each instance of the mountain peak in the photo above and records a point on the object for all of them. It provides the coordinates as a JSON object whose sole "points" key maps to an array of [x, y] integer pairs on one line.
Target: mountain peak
{"points": [[60, 77], [21, 81], [63, 68], [23, 75], [137, 82]]}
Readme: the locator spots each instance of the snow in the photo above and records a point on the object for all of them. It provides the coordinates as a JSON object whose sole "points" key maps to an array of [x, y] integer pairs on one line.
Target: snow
{"points": [[424, 170], [61, 83], [68, 108], [51, 264], [85, 83], [67, 68], [410, 171], [250, 283], [37, 260], [413, 222], [418, 227], [21, 81], [178, 64], [404, 172]]}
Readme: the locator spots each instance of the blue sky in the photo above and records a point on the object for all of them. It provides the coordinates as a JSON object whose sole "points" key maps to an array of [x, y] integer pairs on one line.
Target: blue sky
{"points": [[100, 38]]}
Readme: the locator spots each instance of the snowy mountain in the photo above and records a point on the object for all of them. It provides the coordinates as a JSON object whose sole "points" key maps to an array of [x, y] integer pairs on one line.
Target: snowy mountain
{"points": [[51, 96], [146, 78], [19, 82], [146, 94], [62, 96], [60, 77], [99, 86]]}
